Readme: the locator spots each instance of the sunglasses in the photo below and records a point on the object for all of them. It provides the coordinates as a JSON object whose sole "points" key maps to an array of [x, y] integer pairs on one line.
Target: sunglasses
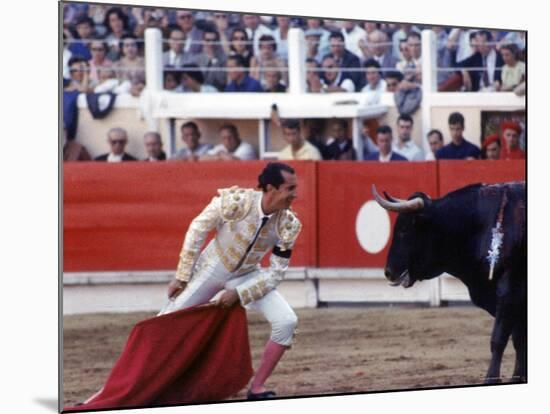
{"points": [[117, 141]]}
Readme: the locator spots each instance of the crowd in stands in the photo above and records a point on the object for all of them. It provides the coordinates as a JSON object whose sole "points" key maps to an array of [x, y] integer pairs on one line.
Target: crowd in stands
{"points": [[307, 140], [205, 51]]}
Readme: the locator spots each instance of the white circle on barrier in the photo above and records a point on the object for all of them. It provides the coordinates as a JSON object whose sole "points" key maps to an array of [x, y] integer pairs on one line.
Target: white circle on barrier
{"points": [[372, 227]]}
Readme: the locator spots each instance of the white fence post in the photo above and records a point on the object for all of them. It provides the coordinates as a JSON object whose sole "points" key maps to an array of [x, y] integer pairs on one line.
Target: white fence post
{"points": [[153, 59], [296, 61], [429, 83], [154, 81]]}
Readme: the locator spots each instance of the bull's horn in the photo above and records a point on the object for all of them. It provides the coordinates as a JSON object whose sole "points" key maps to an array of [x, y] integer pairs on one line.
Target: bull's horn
{"points": [[401, 206]]}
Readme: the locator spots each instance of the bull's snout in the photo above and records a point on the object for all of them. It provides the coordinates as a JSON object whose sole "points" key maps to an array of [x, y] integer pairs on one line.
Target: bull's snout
{"points": [[388, 273]]}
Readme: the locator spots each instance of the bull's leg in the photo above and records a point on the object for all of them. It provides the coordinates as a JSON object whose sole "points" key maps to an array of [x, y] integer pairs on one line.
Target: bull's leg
{"points": [[502, 330], [519, 338]]}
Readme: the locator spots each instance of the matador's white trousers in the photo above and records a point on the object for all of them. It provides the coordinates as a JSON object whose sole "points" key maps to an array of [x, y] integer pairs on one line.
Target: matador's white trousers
{"points": [[210, 276]]}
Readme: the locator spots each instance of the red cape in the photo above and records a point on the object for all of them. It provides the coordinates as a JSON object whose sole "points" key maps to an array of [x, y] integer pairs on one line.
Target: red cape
{"points": [[200, 354]]}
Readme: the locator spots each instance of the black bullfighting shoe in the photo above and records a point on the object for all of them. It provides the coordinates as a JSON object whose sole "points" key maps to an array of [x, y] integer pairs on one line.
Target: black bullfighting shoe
{"points": [[261, 395]]}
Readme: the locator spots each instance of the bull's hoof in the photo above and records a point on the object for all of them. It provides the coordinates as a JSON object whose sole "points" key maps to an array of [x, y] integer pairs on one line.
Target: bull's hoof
{"points": [[493, 380]]}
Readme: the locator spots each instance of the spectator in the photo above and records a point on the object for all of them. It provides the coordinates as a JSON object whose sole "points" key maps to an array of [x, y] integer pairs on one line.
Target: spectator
{"points": [[222, 27], [323, 46], [148, 17], [116, 23], [255, 29], [67, 54], [393, 79], [513, 71], [231, 146], [405, 145], [153, 147], [212, 60], [340, 146], [486, 57], [107, 82], [193, 36], [99, 59], [131, 67], [73, 151], [298, 148], [193, 81], [314, 128], [412, 58], [241, 46], [369, 144], [313, 40], [79, 71], [353, 33], [384, 143], [402, 34], [333, 78], [85, 29], [377, 48], [280, 33], [460, 43], [444, 55], [238, 78], [435, 141], [345, 60], [458, 148], [510, 133], [375, 84], [313, 76], [174, 56], [97, 13], [190, 135], [491, 148], [172, 80], [268, 53], [117, 138], [273, 79]]}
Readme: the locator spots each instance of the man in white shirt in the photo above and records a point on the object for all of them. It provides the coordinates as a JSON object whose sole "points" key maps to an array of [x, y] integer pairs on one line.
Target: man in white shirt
{"points": [[375, 84], [298, 148], [231, 146], [405, 145], [352, 34], [190, 135]]}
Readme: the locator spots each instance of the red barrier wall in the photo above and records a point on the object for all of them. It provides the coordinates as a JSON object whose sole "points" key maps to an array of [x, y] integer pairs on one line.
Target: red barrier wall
{"points": [[456, 174], [344, 188], [134, 216]]}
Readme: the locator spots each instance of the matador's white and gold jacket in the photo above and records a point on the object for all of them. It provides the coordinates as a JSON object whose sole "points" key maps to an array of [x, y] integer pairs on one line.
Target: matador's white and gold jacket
{"points": [[236, 215]]}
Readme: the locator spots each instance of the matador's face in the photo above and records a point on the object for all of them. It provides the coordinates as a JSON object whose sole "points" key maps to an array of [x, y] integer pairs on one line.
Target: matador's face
{"points": [[283, 196]]}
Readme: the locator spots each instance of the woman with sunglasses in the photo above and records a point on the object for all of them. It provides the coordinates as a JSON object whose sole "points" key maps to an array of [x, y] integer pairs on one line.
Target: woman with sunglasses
{"points": [[241, 45]]}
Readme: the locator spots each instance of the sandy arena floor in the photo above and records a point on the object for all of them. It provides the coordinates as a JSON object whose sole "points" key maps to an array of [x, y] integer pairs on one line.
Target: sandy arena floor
{"points": [[338, 350]]}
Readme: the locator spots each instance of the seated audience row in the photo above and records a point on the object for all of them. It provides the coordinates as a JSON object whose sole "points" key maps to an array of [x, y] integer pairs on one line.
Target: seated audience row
{"points": [[311, 145]]}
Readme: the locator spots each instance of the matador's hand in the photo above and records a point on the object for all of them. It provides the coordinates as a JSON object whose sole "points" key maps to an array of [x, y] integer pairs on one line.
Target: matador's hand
{"points": [[228, 298], [175, 287]]}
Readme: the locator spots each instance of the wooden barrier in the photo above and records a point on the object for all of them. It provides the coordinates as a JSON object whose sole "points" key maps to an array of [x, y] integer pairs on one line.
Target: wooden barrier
{"points": [[133, 216]]}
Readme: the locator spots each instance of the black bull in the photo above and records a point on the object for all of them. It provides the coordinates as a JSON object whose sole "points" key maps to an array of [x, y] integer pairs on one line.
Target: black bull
{"points": [[455, 234]]}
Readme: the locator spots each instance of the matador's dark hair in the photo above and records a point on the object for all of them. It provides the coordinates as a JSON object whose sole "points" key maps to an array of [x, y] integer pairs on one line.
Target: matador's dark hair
{"points": [[272, 174]]}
